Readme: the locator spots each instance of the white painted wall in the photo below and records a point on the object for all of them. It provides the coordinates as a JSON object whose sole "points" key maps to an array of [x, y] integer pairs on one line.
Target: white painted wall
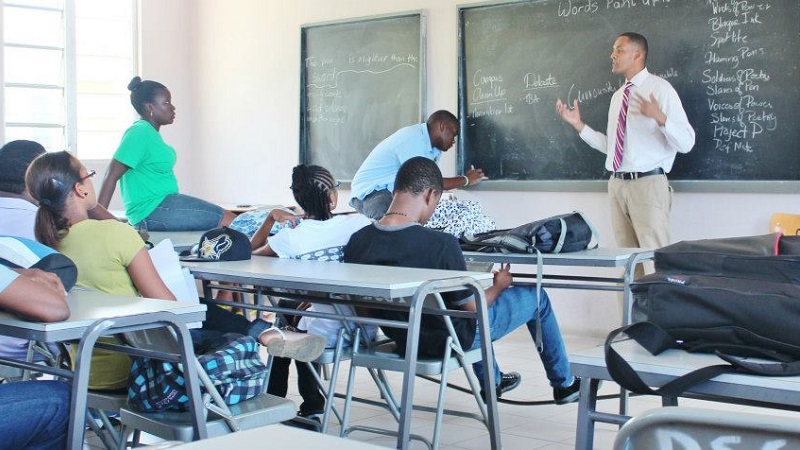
{"points": [[233, 69]]}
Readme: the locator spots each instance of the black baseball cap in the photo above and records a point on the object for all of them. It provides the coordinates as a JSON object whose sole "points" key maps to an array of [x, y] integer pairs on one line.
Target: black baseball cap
{"points": [[221, 244]]}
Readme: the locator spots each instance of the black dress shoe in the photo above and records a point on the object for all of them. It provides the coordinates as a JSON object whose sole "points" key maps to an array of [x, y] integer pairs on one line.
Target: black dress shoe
{"points": [[508, 382], [568, 394]]}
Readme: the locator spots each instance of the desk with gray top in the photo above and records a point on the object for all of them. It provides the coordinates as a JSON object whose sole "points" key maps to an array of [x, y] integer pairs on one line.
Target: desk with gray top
{"points": [[93, 315], [279, 437], [181, 240], [775, 392], [390, 286], [601, 257]]}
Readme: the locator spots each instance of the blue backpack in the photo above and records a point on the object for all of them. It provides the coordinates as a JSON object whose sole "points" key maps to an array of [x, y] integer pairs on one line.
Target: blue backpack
{"points": [[22, 253]]}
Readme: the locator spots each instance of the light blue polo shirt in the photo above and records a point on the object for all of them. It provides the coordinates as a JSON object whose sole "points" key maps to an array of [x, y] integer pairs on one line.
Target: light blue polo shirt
{"points": [[379, 170], [6, 277]]}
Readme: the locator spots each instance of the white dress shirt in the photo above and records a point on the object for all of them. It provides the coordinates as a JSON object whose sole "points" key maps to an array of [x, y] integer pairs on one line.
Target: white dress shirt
{"points": [[647, 145]]}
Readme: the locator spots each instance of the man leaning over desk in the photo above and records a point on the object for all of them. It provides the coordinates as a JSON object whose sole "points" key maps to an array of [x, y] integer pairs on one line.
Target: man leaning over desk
{"points": [[374, 181]]}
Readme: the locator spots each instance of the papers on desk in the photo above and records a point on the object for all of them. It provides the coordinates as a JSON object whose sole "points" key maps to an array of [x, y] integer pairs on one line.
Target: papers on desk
{"points": [[179, 280]]}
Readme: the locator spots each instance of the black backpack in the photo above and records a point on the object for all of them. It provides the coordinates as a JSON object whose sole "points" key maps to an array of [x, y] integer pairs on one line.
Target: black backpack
{"points": [[734, 297], [558, 234]]}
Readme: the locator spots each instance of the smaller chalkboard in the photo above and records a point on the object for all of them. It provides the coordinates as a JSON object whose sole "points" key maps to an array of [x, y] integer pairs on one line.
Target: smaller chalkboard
{"points": [[361, 80]]}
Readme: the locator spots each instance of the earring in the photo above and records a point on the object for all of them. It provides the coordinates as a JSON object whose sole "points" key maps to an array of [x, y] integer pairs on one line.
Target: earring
{"points": [[151, 114]]}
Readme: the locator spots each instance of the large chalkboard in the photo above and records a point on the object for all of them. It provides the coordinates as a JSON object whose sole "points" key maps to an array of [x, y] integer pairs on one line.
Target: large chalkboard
{"points": [[361, 80], [733, 63]]}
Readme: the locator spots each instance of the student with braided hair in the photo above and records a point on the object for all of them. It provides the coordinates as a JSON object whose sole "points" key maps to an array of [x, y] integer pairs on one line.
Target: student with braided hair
{"points": [[320, 235], [143, 165]]}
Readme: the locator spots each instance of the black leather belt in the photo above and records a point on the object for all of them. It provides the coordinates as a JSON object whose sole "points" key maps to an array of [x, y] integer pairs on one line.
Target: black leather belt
{"points": [[637, 175]]}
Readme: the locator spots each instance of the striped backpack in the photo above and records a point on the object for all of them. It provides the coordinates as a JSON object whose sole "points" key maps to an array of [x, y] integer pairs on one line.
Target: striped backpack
{"points": [[234, 368]]}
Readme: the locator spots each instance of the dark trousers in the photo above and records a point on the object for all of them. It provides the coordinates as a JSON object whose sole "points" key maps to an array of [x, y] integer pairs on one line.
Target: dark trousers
{"points": [[220, 321], [313, 401]]}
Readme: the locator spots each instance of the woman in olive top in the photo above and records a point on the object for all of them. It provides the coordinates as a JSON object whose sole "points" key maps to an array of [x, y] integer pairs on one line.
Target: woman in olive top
{"points": [[144, 163], [112, 258]]}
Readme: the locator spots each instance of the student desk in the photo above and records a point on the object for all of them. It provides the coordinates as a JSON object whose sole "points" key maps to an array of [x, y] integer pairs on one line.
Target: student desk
{"points": [[181, 240], [93, 315], [390, 286], [601, 257], [279, 437], [776, 392]]}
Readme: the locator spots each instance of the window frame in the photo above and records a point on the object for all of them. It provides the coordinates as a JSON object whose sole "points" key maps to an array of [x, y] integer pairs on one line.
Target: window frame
{"points": [[69, 89]]}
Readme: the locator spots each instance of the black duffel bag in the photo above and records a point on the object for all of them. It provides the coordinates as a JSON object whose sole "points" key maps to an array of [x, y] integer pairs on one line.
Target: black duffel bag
{"points": [[745, 317], [769, 257], [734, 303], [564, 233]]}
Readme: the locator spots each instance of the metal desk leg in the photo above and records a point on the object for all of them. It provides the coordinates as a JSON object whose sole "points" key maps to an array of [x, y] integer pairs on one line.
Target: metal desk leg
{"points": [[584, 438], [409, 373], [627, 309], [492, 412], [624, 395], [196, 407], [80, 383]]}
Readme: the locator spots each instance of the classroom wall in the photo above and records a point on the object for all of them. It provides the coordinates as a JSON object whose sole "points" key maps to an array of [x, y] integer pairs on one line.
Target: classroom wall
{"points": [[233, 68]]}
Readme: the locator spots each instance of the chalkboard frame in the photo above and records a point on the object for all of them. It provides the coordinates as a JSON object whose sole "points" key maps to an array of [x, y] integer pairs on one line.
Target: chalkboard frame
{"points": [[420, 15], [598, 185]]}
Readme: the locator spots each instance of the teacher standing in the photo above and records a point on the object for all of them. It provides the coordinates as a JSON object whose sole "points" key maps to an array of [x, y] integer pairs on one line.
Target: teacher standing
{"points": [[647, 127], [143, 164]]}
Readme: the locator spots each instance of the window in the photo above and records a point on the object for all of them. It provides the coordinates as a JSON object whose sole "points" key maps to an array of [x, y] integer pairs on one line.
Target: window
{"points": [[66, 65]]}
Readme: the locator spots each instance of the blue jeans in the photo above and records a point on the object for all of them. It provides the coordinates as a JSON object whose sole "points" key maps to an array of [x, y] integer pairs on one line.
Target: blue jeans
{"points": [[35, 415], [516, 306], [374, 205], [179, 212]]}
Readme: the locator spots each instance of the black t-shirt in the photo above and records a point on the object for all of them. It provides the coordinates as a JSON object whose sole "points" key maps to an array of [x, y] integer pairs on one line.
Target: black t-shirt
{"points": [[415, 246]]}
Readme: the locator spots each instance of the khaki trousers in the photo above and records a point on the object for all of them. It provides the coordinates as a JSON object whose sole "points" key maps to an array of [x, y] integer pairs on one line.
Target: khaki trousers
{"points": [[640, 211]]}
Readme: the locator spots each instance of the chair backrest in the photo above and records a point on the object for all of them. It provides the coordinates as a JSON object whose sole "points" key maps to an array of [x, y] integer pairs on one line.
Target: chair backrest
{"points": [[453, 345], [692, 428], [788, 224]]}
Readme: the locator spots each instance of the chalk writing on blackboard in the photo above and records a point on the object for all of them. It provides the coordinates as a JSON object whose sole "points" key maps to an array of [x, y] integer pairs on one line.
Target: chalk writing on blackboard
{"points": [[327, 82], [734, 64], [361, 80]]}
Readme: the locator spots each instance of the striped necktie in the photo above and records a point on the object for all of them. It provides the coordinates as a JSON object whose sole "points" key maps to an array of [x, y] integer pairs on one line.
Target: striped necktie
{"points": [[621, 128]]}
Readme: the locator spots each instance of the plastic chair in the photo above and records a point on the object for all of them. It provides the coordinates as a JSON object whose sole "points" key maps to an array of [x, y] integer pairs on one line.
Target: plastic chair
{"points": [[382, 356], [692, 428], [788, 224], [264, 409]]}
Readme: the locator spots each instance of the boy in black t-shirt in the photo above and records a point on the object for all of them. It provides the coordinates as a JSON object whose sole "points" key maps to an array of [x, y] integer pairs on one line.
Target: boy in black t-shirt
{"points": [[399, 239]]}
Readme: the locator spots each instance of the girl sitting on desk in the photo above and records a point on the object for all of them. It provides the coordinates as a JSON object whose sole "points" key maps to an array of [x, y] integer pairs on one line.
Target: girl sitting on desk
{"points": [[144, 163], [112, 258]]}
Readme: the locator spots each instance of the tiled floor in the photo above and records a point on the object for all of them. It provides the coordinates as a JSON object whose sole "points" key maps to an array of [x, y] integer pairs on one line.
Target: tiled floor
{"points": [[522, 426]]}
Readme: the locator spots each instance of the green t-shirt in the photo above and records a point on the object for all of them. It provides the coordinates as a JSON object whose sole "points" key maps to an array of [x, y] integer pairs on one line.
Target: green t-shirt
{"points": [[102, 251], [150, 177]]}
